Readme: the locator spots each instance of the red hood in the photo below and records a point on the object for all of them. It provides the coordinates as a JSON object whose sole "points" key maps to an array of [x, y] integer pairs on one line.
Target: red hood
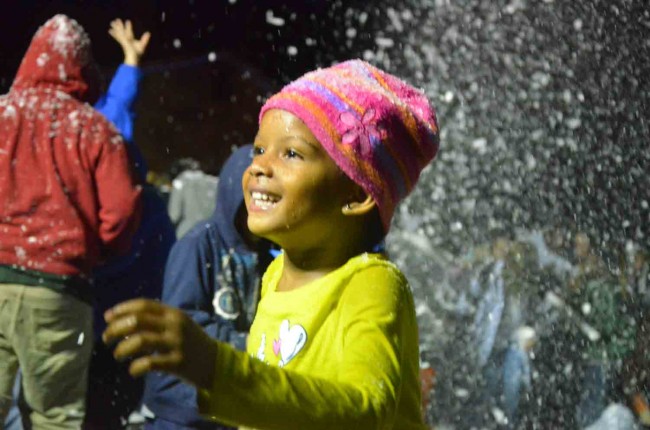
{"points": [[59, 57]]}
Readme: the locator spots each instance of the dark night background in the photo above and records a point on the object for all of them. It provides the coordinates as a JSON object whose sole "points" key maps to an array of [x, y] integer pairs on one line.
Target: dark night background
{"points": [[192, 104]]}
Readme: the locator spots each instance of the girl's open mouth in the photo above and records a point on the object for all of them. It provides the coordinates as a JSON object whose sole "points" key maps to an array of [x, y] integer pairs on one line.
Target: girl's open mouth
{"points": [[263, 201]]}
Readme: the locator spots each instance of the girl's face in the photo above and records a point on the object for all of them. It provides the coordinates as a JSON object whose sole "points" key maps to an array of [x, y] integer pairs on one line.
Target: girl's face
{"points": [[294, 192]]}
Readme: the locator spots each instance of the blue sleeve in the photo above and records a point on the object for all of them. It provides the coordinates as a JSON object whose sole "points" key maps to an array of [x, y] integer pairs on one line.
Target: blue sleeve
{"points": [[117, 106]]}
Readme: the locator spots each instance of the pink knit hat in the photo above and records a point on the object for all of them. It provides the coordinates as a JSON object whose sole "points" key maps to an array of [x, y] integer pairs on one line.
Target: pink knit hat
{"points": [[378, 129]]}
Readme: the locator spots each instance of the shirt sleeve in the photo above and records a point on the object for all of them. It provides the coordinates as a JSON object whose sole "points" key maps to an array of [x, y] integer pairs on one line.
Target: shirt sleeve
{"points": [[365, 395], [118, 193], [117, 106]]}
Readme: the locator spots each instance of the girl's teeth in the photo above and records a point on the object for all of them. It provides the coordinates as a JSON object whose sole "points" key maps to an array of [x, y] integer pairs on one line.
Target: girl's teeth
{"points": [[263, 201], [263, 197], [264, 204]]}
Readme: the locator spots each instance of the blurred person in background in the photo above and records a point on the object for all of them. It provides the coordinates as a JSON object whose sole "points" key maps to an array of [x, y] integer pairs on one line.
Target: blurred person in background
{"points": [[192, 195], [635, 373], [597, 298], [504, 318]]}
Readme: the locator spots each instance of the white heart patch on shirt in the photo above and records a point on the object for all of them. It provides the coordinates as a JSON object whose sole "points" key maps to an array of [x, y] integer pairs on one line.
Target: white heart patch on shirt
{"points": [[292, 340]]}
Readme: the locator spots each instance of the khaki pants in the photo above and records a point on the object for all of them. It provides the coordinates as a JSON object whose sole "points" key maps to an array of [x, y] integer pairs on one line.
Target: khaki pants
{"points": [[49, 336]]}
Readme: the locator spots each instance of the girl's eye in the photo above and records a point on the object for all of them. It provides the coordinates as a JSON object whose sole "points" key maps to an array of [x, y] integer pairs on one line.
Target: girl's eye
{"points": [[258, 151], [292, 154]]}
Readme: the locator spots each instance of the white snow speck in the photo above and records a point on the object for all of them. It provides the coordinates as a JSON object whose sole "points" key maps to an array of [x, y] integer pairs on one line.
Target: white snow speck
{"points": [[10, 112], [499, 416], [384, 42], [274, 20], [20, 253], [368, 55], [531, 162], [62, 75], [363, 17], [577, 24], [573, 123], [461, 392], [116, 139], [212, 57], [480, 144], [292, 51], [42, 59], [395, 19], [177, 43]]}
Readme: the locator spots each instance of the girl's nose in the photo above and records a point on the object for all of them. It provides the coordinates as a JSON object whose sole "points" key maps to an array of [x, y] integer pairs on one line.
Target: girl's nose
{"points": [[259, 167]]}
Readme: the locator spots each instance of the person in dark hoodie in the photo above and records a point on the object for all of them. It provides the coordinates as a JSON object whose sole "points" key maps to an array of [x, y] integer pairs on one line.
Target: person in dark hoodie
{"points": [[213, 274], [69, 201]]}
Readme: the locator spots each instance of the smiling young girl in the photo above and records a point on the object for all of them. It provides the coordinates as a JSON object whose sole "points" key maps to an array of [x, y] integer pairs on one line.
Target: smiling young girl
{"points": [[334, 343]]}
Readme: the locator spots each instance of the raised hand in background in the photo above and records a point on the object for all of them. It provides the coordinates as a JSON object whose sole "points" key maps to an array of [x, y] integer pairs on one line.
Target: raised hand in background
{"points": [[134, 49]]}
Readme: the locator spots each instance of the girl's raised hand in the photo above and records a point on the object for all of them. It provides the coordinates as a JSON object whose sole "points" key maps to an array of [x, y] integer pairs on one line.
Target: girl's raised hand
{"points": [[159, 337]]}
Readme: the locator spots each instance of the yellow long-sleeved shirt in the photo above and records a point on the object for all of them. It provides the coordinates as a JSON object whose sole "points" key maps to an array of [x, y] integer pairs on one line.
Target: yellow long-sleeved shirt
{"points": [[338, 353]]}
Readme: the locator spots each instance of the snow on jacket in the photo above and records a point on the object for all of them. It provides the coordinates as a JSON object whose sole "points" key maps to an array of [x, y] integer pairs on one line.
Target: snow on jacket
{"points": [[214, 276], [68, 195]]}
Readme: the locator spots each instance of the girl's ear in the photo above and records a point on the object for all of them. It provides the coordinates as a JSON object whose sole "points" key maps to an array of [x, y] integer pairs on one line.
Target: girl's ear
{"points": [[361, 207]]}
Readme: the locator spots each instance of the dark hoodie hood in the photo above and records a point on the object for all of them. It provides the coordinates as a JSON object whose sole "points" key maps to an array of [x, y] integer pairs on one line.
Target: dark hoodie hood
{"points": [[60, 58], [230, 196]]}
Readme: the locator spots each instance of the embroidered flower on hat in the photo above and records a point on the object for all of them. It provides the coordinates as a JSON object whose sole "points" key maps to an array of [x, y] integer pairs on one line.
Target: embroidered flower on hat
{"points": [[362, 134]]}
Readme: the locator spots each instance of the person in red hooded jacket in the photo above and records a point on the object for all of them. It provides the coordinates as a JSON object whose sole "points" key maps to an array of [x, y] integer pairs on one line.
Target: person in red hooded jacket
{"points": [[68, 199]]}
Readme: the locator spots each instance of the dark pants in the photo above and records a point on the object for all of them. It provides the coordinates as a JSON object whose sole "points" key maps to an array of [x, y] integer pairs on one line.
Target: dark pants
{"points": [[112, 393]]}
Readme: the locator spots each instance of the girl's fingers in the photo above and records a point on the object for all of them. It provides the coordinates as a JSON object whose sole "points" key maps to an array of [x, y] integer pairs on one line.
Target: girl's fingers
{"points": [[131, 324], [169, 362], [142, 344], [135, 306]]}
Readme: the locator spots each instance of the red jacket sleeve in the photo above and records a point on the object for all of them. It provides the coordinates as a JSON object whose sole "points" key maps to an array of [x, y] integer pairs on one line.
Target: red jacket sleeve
{"points": [[118, 192]]}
